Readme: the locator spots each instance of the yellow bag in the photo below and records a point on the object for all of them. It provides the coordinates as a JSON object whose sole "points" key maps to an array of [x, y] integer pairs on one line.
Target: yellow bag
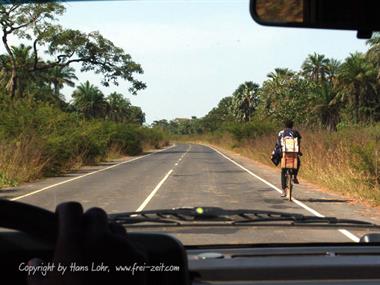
{"points": [[289, 144]]}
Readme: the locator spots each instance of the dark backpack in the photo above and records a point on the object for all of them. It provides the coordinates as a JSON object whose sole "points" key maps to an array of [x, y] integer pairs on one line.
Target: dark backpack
{"points": [[276, 155]]}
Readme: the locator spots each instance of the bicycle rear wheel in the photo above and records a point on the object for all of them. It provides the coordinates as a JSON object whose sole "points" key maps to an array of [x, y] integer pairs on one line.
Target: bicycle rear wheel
{"points": [[289, 184]]}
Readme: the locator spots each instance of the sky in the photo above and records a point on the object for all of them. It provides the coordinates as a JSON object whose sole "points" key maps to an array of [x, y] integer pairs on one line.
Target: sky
{"points": [[194, 53]]}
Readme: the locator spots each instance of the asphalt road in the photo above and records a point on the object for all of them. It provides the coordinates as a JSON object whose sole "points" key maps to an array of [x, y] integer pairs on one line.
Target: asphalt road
{"points": [[194, 175]]}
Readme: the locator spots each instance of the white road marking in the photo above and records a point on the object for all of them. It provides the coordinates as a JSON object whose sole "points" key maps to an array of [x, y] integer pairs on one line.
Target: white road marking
{"points": [[314, 212], [349, 235], [151, 195], [345, 232], [143, 205], [88, 174], [182, 156]]}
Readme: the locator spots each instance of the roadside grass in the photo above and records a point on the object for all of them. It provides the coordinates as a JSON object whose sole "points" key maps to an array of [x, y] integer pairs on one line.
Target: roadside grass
{"points": [[39, 140], [346, 162], [20, 161]]}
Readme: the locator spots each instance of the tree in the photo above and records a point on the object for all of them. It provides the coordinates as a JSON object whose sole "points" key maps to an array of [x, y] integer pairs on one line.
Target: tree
{"points": [[279, 77], [90, 101], [315, 67], [245, 101], [37, 23], [357, 83], [326, 107], [161, 124], [218, 115], [119, 107], [285, 96], [332, 70], [324, 94], [44, 85], [280, 73], [136, 115], [22, 57], [60, 76], [374, 51]]}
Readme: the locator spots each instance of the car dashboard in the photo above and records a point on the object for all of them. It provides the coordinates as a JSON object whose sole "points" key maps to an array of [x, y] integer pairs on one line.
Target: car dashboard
{"points": [[279, 264], [269, 264]]}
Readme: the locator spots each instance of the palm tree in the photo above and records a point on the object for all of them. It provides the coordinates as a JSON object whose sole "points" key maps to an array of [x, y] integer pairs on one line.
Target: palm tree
{"points": [[315, 67], [119, 107], [60, 76], [280, 73], [245, 101], [357, 83], [332, 69], [374, 51], [136, 115], [23, 61], [326, 105], [270, 89], [89, 101]]}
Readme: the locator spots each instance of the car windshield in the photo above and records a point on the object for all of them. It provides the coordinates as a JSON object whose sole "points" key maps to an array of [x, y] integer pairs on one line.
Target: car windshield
{"points": [[153, 105]]}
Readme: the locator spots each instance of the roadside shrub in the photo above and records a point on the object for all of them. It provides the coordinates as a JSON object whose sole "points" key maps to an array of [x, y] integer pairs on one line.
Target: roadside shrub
{"points": [[40, 139], [250, 130], [155, 137], [128, 138]]}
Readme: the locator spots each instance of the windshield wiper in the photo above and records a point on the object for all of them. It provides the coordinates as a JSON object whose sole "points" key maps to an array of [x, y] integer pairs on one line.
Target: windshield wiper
{"points": [[210, 216]]}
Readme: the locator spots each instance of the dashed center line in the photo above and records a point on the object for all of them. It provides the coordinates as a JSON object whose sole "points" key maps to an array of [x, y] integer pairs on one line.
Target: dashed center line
{"points": [[158, 186], [155, 190], [182, 156]]}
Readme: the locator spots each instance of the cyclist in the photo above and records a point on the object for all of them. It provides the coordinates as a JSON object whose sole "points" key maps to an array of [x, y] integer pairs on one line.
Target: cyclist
{"points": [[288, 131]]}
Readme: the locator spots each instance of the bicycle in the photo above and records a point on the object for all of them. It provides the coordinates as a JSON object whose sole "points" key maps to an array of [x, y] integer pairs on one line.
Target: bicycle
{"points": [[289, 163], [289, 173]]}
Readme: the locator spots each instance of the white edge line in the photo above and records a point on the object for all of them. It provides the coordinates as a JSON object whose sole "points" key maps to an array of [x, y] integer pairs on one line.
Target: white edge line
{"points": [[349, 234], [345, 232], [88, 174], [143, 205]]}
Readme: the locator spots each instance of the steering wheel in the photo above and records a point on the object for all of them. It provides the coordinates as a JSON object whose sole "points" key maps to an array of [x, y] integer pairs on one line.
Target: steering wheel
{"points": [[37, 222], [43, 225]]}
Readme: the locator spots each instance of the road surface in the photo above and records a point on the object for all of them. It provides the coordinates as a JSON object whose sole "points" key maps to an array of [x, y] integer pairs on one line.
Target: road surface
{"points": [[195, 175]]}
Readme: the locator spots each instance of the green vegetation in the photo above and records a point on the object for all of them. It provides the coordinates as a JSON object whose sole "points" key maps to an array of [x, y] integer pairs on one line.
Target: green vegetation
{"points": [[40, 139], [336, 106], [40, 132]]}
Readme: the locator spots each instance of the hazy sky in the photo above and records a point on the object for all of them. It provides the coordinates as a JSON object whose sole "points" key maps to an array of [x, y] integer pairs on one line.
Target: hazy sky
{"points": [[196, 52]]}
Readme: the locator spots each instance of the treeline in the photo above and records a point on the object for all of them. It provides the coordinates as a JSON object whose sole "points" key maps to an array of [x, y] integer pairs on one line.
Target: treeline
{"points": [[325, 94], [335, 105], [41, 133], [45, 87]]}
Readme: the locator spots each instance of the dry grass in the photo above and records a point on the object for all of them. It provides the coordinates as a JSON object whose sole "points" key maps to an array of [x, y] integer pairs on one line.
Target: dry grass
{"points": [[114, 152], [24, 161], [21, 161], [343, 162], [148, 146]]}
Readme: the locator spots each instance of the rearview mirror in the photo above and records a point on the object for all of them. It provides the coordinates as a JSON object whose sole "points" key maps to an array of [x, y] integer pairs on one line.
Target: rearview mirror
{"points": [[359, 15]]}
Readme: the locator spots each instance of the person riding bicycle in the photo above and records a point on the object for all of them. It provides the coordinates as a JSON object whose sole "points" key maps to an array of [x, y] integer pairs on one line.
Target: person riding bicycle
{"points": [[288, 131]]}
